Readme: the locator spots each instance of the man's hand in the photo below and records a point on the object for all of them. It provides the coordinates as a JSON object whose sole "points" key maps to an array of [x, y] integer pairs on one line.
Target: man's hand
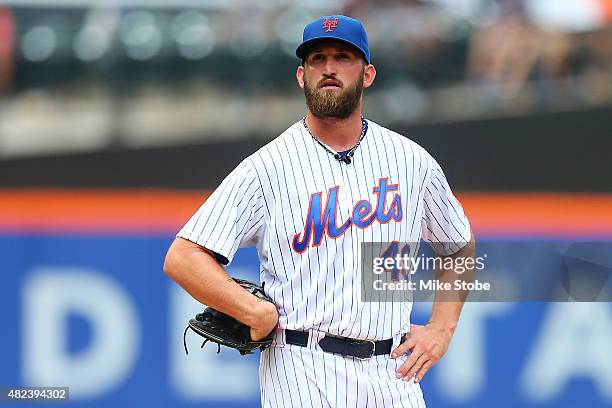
{"points": [[266, 317], [427, 345]]}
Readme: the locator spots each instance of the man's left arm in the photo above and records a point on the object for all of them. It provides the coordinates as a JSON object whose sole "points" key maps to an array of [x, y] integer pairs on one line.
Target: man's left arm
{"points": [[428, 344]]}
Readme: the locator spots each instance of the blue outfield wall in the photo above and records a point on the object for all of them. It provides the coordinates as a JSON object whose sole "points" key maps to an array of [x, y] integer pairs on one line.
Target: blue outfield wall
{"points": [[97, 314]]}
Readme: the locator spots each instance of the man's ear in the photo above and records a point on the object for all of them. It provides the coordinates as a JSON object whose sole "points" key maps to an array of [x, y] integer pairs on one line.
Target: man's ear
{"points": [[369, 74], [299, 75]]}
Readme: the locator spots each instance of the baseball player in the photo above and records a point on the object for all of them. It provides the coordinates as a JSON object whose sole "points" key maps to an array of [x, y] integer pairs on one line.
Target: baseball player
{"points": [[307, 201]]}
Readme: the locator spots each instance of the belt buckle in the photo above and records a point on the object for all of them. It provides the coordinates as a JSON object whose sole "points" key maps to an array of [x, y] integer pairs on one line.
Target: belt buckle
{"points": [[373, 343]]}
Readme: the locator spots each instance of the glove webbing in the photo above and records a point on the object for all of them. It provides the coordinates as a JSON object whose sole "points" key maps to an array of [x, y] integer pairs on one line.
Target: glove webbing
{"points": [[202, 346]]}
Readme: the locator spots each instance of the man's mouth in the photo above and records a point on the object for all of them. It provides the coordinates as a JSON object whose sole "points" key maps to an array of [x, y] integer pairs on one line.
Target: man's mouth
{"points": [[330, 84]]}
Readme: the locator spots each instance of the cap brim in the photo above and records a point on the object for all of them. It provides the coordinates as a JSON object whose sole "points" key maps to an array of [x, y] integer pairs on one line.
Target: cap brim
{"points": [[304, 47]]}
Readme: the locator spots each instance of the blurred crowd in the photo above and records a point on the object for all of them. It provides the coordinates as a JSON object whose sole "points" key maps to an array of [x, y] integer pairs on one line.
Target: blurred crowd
{"points": [[432, 41], [504, 43], [433, 56]]}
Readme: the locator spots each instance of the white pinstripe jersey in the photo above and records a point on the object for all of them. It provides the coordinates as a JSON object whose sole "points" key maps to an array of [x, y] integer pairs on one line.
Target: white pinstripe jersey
{"points": [[307, 214]]}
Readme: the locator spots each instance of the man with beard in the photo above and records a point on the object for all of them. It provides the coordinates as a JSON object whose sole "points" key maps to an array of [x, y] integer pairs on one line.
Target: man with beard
{"points": [[307, 201]]}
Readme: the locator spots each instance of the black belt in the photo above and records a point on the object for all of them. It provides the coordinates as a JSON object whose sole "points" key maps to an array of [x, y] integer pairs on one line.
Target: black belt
{"points": [[344, 346]]}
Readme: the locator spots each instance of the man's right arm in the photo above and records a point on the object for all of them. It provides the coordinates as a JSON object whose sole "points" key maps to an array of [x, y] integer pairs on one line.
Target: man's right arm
{"points": [[197, 271]]}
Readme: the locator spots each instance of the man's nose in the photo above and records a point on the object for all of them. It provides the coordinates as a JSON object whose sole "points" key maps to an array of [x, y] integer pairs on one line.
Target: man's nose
{"points": [[330, 67]]}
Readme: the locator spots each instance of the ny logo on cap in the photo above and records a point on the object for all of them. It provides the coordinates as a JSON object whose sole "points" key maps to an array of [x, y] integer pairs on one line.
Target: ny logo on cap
{"points": [[329, 25]]}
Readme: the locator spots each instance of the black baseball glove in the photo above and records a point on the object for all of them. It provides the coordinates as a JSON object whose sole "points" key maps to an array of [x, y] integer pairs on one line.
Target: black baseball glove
{"points": [[225, 330]]}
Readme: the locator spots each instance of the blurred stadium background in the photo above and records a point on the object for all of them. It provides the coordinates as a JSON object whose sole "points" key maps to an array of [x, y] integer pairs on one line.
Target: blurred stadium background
{"points": [[118, 117]]}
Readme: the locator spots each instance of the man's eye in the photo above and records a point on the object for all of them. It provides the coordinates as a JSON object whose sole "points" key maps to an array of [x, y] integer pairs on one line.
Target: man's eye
{"points": [[342, 56]]}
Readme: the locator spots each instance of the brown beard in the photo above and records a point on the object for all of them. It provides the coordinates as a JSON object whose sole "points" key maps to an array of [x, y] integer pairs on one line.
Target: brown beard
{"points": [[333, 103]]}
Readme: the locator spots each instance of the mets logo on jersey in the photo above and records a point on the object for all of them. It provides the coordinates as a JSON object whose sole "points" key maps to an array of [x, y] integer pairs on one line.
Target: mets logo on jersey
{"points": [[329, 25], [321, 218]]}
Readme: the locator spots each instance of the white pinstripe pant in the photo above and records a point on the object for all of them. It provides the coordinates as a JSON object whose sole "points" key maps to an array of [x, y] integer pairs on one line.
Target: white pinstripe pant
{"points": [[293, 376]]}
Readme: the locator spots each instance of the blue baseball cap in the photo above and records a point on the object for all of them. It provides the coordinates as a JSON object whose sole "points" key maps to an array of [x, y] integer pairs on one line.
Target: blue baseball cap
{"points": [[342, 28]]}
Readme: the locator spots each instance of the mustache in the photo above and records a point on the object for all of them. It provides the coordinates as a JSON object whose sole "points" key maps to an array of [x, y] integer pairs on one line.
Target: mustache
{"points": [[330, 80]]}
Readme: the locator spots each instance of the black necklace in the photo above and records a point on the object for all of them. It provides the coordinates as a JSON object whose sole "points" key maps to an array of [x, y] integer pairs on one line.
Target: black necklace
{"points": [[348, 158]]}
